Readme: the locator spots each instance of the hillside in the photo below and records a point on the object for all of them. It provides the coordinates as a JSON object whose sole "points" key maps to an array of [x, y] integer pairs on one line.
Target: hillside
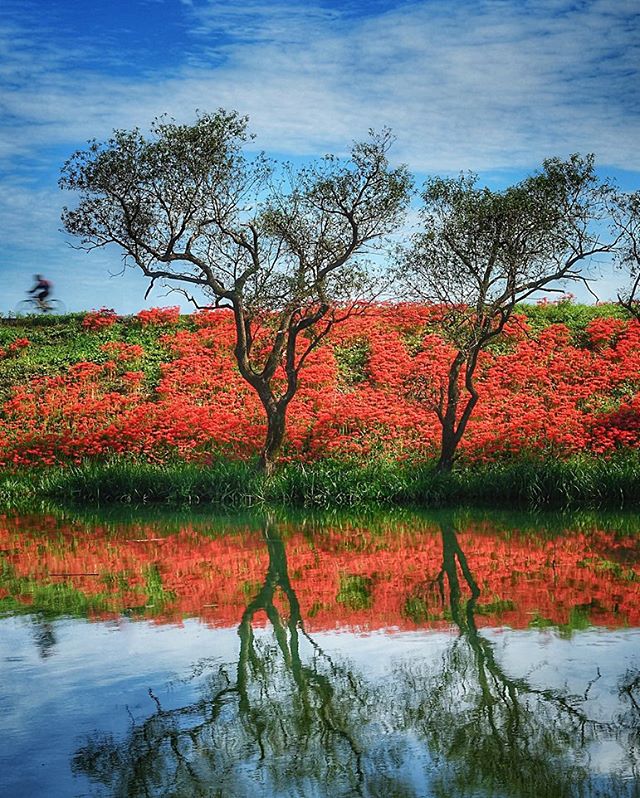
{"points": [[562, 379]]}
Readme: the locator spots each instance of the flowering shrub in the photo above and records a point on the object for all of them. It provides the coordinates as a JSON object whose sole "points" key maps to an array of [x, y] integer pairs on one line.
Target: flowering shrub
{"points": [[14, 348], [373, 388], [209, 316], [99, 319], [116, 350], [605, 332], [170, 315]]}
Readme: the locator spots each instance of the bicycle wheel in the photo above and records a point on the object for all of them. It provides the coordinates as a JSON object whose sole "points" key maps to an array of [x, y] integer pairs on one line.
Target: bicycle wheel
{"points": [[54, 307], [27, 307]]}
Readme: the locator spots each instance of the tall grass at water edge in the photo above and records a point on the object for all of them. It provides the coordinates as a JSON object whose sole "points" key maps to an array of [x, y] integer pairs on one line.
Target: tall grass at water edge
{"points": [[578, 482]]}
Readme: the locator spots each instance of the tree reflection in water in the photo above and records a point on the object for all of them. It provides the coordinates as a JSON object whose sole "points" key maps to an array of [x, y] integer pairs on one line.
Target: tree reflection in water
{"points": [[44, 635], [279, 721], [500, 735], [289, 720]]}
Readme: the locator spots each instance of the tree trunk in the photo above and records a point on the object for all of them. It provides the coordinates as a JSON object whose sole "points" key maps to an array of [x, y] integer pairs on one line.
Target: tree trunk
{"points": [[452, 433], [448, 446], [448, 438], [276, 417]]}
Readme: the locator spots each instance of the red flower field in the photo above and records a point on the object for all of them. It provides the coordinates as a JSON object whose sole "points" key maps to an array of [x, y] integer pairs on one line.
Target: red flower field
{"points": [[372, 388]]}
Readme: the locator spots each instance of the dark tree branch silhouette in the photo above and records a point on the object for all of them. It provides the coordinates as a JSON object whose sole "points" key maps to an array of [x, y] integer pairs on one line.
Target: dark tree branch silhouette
{"points": [[482, 252], [285, 249]]}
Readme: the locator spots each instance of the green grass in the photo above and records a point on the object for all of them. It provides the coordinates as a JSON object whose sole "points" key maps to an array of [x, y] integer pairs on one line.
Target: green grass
{"points": [[351, 359], [48, 601], [575, 316], [579, 482], [335, 483], [226, 483], [58, 342], [354, 592]]}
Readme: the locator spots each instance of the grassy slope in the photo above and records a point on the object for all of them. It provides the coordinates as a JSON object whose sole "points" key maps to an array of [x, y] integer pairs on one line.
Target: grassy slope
{"points": [[57, 343]]}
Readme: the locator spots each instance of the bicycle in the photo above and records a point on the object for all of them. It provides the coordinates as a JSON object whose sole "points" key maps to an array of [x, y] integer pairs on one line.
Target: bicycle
{"points": [[33, 306]]}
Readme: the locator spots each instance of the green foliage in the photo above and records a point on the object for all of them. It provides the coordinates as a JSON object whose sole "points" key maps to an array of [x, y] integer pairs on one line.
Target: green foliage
{"points": [[157, 596], [351, 358], [540, 622], [494, 607], [336, 483], [250, 588], [579, 618], [355, 592], [17, 490], [54, 343], [579, 481], [47, 600], [619, 571], [574, 316], [226, 482], [416, 609], [156, 351]]}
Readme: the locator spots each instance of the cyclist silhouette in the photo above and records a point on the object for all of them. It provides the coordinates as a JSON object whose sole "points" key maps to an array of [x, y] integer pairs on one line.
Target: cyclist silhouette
{"points": [[41, 289]]}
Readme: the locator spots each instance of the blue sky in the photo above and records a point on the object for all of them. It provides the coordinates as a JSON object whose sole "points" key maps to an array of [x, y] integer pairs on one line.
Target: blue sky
{"points": [[493, 86]]}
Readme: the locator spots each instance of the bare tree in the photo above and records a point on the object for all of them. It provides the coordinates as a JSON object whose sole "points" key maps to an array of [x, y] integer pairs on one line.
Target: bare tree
{"points": [[627, 220], [481, 252], [281, 247]]}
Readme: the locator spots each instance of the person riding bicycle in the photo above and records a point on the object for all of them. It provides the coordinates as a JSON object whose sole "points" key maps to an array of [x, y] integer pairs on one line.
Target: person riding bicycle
{"points": [[42, 287]]}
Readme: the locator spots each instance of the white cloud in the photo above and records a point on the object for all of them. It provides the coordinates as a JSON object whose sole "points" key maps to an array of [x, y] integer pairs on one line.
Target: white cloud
{"points": [[490, 86], [464, 85]]}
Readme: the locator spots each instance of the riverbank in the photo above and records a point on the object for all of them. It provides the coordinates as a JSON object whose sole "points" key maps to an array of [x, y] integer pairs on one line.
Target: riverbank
{"points": [[577, 482], [558, 424]]}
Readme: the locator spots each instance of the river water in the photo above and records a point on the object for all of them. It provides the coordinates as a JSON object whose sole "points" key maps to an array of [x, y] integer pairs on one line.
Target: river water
{"points": [[455, 654]]}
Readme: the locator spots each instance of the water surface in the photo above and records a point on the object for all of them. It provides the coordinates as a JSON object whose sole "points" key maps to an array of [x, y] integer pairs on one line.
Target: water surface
{"points": [[459, 654]]}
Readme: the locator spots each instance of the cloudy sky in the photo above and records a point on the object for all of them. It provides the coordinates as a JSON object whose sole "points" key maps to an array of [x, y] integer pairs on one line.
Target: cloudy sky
{"points": [[493, 86]]}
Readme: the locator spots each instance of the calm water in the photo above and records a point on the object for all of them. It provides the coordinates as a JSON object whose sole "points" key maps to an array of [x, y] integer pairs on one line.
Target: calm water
{"points": [[453, 655]]}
